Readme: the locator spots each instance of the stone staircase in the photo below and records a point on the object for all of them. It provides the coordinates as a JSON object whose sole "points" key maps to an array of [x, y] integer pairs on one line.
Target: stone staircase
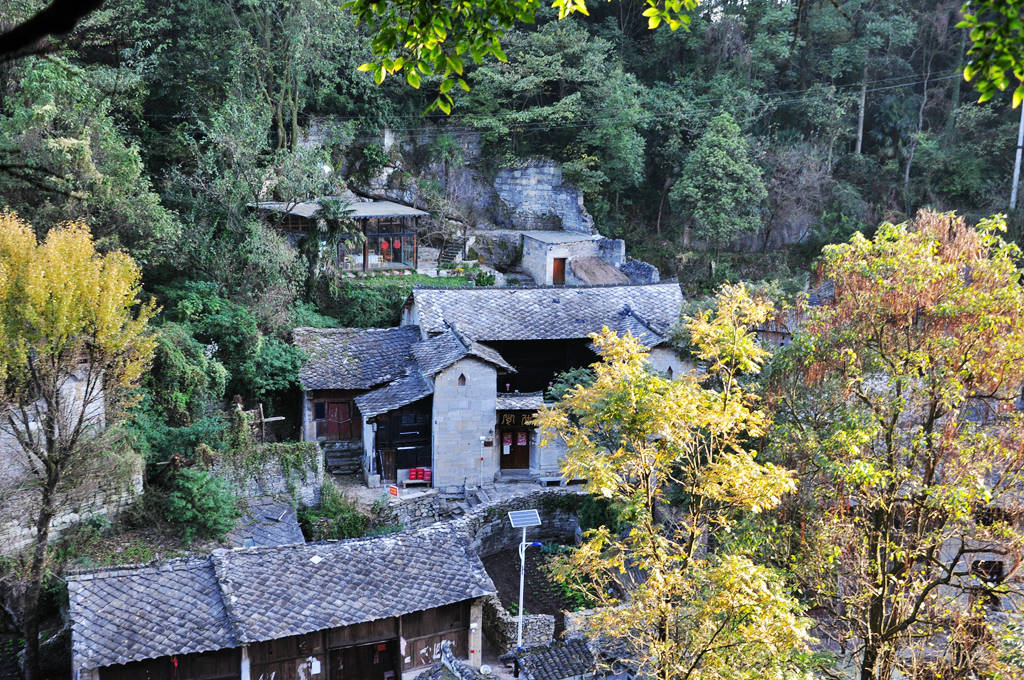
{"points": [[451, 252], [343, 458]]}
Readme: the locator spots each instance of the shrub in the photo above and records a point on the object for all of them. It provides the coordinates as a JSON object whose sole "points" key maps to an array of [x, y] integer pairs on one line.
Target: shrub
{"points": [[201, 505], [336, 518]]}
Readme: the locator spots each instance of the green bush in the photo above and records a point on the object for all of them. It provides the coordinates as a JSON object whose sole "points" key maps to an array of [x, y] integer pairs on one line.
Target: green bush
{"points": [[336, 518], [201, 505]]}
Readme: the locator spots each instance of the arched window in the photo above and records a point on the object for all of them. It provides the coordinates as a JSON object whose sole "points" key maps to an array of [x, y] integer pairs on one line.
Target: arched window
{"points": [[462, 379], [669, 372]]}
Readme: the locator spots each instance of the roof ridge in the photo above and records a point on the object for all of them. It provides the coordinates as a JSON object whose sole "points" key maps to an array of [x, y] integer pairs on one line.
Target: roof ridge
{"points": [[166, 564], [227, 599]]}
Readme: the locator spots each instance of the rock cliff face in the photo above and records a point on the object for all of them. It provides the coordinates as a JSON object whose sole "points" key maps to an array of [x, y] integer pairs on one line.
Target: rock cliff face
{"points": [[537, 198], [530, 195]]}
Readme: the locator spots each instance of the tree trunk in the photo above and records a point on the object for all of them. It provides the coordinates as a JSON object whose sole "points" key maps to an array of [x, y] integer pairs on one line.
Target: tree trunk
{"points": [[913, 143], [863, 103], [30, 624], [954, 98], [661, 204]]}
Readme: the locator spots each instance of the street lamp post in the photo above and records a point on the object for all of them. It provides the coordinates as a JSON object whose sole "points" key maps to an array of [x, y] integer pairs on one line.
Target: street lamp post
{"points": [[522, 519]]}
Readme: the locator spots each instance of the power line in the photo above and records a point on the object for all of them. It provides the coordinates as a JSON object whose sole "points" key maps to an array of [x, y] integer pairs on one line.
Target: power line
{"points": [[597, 122]]}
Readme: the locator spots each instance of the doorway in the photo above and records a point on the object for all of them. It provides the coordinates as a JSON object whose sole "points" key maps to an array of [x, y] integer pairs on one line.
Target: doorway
{"points": [[376, 661], [515, 449], [558, 272]]}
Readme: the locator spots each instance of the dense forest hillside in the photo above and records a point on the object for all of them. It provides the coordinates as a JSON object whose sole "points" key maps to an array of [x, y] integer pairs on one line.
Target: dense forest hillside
{"points": [[151, 160], [766, 125]]}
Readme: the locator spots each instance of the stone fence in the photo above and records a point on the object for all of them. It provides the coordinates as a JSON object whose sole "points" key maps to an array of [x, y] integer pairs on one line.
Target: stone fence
{"points": [[101, 490], [500, 627], [270, 477]]}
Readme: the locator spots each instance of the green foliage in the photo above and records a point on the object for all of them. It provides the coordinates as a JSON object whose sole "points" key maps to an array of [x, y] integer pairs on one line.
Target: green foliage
{"points": [[70, 160], [720, 189], [567, 380], [374, 301], [997, 46], [258, 364], [336, 518], [201, 505], [433, 43]]}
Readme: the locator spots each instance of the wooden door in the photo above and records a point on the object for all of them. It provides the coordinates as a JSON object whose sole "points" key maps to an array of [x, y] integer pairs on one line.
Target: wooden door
{"points": [[558, 271], [339, 421], [376, 661], [515, 449], [389, 465]]}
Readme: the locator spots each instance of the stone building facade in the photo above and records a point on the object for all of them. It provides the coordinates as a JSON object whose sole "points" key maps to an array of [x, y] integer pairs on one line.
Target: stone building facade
{"points": [[453, 391], [461, 442]]}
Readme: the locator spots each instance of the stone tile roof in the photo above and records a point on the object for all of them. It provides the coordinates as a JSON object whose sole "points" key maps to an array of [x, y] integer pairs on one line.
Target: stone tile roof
{"points": [[491, 314], [353, 358], [629, 321], [520, 401], [132, 613], [556, 660], [405, 390], [359, 210], [441, 351], [234, 597], [289, 590], [266, 521]]}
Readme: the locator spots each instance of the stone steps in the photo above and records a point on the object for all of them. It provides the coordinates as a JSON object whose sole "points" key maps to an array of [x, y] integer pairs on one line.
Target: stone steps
{"points": [[451, 252]]}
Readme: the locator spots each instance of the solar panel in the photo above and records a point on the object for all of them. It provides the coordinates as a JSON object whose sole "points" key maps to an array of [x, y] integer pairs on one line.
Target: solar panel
{"points": [[524, 518]]}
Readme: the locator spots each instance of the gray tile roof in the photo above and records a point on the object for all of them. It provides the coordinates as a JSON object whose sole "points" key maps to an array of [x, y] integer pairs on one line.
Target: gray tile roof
{"points": [[441, 351], [490, 314], [289, 590], [556, 660], [520, 401], [266, 521], [405, 390], [357, 210], [353, 358], [628, 321], [132, 613], [244, 595]]}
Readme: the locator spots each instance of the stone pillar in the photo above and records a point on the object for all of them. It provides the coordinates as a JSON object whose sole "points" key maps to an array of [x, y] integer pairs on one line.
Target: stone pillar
{"points": [[476, 630], [245, 666]]}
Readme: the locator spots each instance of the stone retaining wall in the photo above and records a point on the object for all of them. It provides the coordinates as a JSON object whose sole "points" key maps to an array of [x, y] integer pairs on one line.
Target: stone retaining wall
{"points": [[500, 627], [538, 199], [423, 510], [100, 492], [271, 480]]}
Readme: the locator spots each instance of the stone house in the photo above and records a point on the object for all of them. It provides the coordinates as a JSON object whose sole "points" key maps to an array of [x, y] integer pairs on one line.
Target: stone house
{"points": [[362, 609], [454, 388]]}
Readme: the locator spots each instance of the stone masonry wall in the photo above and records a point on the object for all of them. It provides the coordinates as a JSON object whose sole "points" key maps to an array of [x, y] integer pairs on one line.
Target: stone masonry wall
{"points": [[537, 198], [99, 493], [501, 628], [640, 272], [270, 480], [468, 415]]}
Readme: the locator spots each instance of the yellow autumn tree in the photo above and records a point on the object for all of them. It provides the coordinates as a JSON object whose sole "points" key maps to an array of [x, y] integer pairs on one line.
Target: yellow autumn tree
{"points": [[677, 608], [73, 340]]}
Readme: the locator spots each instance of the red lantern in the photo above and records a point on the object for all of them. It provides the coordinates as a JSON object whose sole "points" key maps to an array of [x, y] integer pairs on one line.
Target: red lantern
{"points": [[384, 245], [397, 243]]}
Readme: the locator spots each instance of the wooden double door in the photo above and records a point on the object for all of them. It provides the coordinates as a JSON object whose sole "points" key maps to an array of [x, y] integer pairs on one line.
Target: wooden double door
{"points": [[515, 448]]}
